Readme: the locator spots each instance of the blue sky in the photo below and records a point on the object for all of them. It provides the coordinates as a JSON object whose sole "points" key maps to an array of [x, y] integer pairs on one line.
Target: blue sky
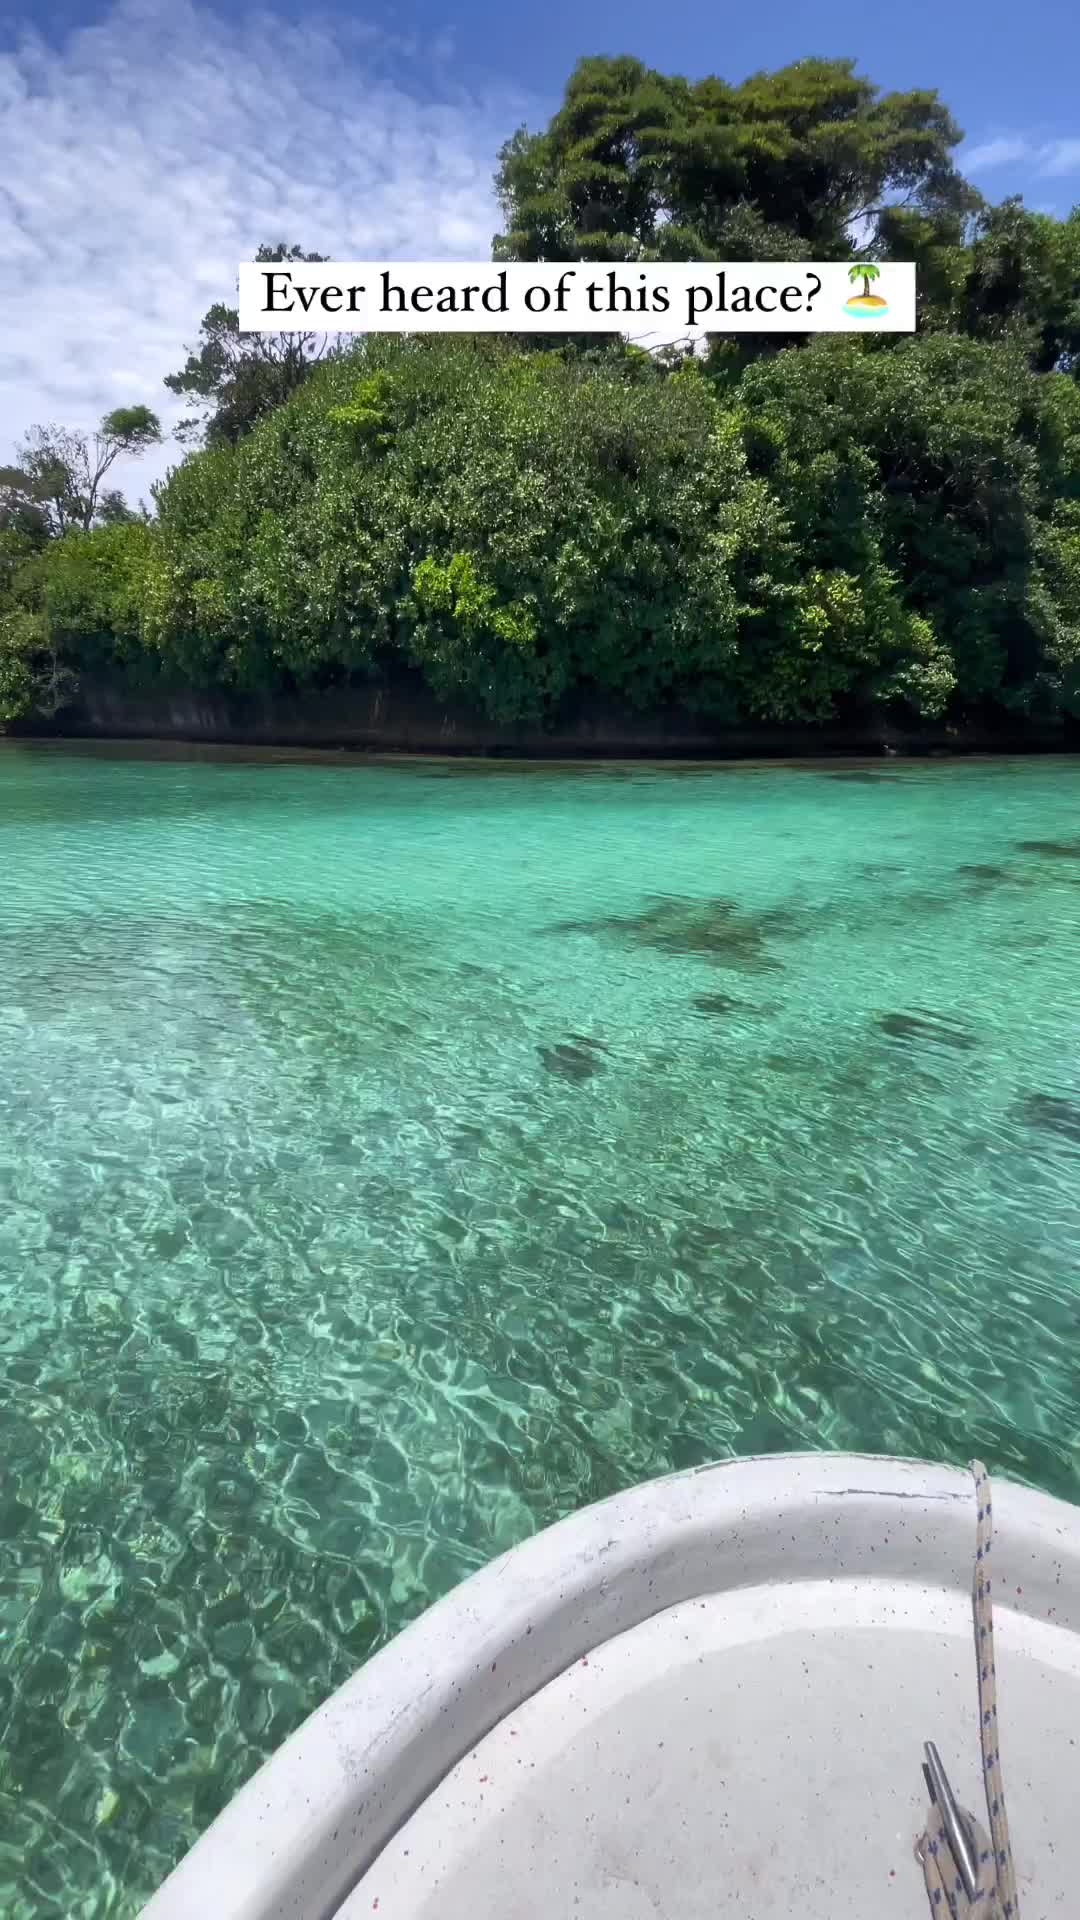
{"points": [[1002, 67], [146, 144]]}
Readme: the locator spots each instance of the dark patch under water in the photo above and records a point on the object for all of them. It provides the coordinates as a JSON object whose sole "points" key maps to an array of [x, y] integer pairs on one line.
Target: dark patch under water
{"points": [[864, 778], [569, 1062], [717, 1003], [1052, 849], [783, 1063], [936, 1029], [983, 873], [716, 930], [1053, 1113]]}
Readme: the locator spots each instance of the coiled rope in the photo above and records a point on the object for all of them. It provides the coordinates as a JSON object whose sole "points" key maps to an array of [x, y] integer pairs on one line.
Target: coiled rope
{"points": [[967, 1871]]}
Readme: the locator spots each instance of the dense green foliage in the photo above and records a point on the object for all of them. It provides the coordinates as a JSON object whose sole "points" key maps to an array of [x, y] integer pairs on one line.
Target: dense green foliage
{"points": [[513, 524], [947, 465], [787, 532]]}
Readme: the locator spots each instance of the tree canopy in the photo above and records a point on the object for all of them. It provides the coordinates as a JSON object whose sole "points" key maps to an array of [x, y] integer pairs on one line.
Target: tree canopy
{"points": [[798, 164]]}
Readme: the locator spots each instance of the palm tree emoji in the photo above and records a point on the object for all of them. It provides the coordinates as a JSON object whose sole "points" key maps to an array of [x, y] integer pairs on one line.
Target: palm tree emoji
{"points": [[865, 272]]}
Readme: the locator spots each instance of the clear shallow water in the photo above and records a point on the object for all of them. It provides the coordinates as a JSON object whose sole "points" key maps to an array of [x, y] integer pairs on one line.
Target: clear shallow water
{"points": [[392, 1159]]}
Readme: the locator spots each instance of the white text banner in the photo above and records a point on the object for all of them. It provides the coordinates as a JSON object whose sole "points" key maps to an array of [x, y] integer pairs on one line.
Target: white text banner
{"points": [[385, 296]]}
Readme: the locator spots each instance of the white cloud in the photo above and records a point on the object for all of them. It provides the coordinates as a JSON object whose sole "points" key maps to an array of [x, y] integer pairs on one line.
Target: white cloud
{"points": [[994, 153], [150, 153], [1060, 157], [1041, 157]]}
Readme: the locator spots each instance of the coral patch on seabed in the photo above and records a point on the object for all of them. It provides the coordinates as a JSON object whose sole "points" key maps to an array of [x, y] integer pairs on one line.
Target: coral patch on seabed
{"points": [[1053, 1113], [575, 1063], [716, 930], [1052, 849], [936, 1029]]}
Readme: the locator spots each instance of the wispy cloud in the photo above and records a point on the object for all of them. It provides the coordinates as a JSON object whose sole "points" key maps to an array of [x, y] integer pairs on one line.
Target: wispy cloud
{"points": [[146, 156], [1060, 157], [1044, 158], [994, 153]]}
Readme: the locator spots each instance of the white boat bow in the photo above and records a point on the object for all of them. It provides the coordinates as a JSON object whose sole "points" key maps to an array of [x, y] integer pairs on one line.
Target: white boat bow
{"points": [[707, 1696]]}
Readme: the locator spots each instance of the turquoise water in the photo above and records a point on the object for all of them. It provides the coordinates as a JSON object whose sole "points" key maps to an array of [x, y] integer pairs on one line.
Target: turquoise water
{"points": [[393, 1159]]}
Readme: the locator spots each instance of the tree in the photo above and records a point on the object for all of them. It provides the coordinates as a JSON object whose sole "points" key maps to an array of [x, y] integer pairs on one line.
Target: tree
{"points": [[948, 464], [798, 164], [938, 246], [49, 505], [57, 485], [235, 378], [520, 526], [850, 527], [73, 605], [33, 675], [22, 516], [1004, 273], [1023, 283], [512, 524], [113, 509], [863, 270]]}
